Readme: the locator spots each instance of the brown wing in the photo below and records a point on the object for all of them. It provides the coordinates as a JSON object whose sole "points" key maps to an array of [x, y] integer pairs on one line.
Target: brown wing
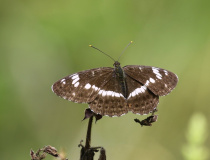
{"points": [[160, 81], [110, 100], [140, 99], [82, 87]]}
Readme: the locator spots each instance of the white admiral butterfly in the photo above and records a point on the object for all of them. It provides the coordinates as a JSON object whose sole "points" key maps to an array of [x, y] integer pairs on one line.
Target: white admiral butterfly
{"points": [[115, 91]]}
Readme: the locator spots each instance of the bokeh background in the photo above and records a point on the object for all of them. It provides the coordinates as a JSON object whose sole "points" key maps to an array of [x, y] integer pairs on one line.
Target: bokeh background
{"points": [[42, 41]]}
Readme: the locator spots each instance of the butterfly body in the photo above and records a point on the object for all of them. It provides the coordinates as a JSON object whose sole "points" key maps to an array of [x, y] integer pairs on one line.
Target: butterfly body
{"points": [[115, 91], [120, 74]]}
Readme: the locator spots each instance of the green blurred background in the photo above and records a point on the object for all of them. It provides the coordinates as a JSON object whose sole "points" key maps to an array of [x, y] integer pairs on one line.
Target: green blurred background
{"points": [[42, 41]]}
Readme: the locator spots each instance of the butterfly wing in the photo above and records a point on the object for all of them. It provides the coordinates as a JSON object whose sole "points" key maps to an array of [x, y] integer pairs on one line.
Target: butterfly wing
{"points": [[82, 87], [140, 99], [100, 88], [110, 100], [160, 81]]}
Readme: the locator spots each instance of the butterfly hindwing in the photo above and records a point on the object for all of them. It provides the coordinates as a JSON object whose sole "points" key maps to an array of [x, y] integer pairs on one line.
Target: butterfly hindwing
{"points": [[140, 99], [82, 87], [160, 81], [110, 100]]}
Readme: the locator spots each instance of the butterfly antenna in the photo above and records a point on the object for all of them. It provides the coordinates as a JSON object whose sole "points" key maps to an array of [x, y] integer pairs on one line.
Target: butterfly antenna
{"points": [[125, 49], [102, 52]]}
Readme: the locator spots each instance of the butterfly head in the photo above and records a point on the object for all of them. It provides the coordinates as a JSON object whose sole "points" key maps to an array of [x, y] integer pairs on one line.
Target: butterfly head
{"points": [[118, 70], [116, 64]]}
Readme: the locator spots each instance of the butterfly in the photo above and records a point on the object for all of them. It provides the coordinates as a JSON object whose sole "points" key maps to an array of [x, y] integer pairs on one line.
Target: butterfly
{"points": [[116, 91]]}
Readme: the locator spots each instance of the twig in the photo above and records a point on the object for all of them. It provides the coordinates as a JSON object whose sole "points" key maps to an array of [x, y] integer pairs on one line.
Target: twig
{"points": [[88, 136], [87, 152]]}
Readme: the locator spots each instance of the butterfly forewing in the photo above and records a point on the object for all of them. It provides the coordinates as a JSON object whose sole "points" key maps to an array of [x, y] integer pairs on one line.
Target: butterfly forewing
{"points": [[82, 87], [160, 81]]}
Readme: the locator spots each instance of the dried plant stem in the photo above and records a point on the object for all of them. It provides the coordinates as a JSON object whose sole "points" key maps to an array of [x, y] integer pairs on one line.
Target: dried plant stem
{"points": [[86, 153], [88, 136]]}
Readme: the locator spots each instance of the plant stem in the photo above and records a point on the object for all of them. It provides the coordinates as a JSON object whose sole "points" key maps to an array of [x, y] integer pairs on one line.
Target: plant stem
{"points": [[88, 136]]}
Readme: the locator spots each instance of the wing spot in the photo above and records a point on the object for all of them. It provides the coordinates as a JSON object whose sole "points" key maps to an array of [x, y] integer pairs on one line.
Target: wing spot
{"points": [[63, 81], [166, 72], [117, 95], [113, 94], [77, 84], [109, 93], [74, 76], [152, 80], [75, 80], [159, 77], [133, 93], [147, 83], [87, 86], [156, 72], [142, 89], [100, 92], [94, 87], [104, 93]]}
